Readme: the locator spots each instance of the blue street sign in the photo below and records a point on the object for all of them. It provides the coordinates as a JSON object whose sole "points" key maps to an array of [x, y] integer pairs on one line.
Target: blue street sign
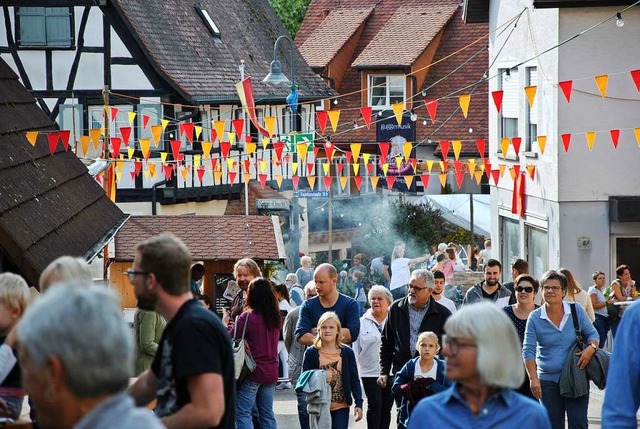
{"points": [[313, 194]]}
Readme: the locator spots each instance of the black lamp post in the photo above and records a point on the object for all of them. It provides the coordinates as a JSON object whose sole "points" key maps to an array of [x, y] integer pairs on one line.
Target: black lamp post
{"points": [[276, 76]]}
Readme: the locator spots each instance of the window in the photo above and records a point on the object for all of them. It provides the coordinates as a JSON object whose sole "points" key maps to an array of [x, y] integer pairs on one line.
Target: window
{"points": [[510, 245], [537, 251], [96, 120], [154, 112], [510, 103], [51, 27], [532, 112], [336, 187], [70, 118], [386, 90], [211, 26]]}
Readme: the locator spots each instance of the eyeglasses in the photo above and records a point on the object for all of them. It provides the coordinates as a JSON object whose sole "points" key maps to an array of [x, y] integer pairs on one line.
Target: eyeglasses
{"points": [[527, 289], [553, 289], [417, 288], [454, 345], [131, 273]]}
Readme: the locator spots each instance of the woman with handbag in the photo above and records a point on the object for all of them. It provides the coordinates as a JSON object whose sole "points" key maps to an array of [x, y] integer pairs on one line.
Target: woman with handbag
{"points": [[263, 323], [549, 338]]}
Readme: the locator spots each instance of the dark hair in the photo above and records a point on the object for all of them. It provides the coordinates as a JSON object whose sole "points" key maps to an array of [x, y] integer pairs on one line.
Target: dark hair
{"points": [[451, 253], [437, 274], [168, 258], [440, 257], [197, 269], [493, 263], [205, 298], [554, 275], [527, 278], [521, 266], [596, 274], [261, 299], [620, 269], [282, 290]]}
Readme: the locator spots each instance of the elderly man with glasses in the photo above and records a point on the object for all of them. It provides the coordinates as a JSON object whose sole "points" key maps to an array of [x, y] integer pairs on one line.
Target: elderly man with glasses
{"points": [[409, 316]]}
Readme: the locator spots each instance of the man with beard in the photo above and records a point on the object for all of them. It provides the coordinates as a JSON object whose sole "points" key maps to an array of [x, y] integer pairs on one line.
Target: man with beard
{"points": [[408, 317], [245, 270], [489, 289], [192, 374]]}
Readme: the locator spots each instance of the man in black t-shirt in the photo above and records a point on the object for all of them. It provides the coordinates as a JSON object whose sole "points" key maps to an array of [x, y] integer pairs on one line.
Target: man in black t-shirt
{"points": [[192, 374]]}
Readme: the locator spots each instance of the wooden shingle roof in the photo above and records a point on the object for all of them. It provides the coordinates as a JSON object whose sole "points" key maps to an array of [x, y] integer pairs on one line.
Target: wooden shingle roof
{"points": [[209, 238], [203, 69], [49, 205]]}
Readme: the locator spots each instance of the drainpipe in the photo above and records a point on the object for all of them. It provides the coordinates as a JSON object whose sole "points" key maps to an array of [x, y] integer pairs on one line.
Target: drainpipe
{"points": [[153, 195]]}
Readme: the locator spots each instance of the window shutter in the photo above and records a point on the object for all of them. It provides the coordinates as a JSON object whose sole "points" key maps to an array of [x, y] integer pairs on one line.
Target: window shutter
{"points": [[58, 26], [32, 26], [154, 111], [67, 121], [511, 95], [533, 81]]}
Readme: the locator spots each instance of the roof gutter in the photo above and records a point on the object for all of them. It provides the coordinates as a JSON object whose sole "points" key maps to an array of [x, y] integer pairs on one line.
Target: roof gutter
{"points": [[104, 241]]}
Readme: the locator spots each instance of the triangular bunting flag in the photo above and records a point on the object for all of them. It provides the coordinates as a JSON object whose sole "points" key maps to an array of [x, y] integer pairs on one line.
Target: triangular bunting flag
{"points": [[125, 132], [425, 180], [156, 132], [358, 181], [365, 157], [408, 179], [343, 182], [265, 142], [347, 155], [322, 120], [163, 157], [356, 169], [84, 144], [384, 151], [145, 121], [495, 175], [164, 123], [398, 108], [334, 117], [530, 91], [478, 176], [531, 169], [251, 148], [116, 142], [407, 147], [94, 133], [443, 179], [636, 132], [326, 168], [131, 116], [459, 178], [232, 177], [64, 138], [263, 180], [444, 148], [295, 180], [429, 165], [432, 107], [232, 138], [542, 143], [355, 150], [53, 141], [238, 126], [188, 130], [615, 136], [635, 75], [152, 169], [472, 166], [200, 173], [175, 148], [385, 168], [294, 167], [591, 138], [302, 151], [602, 82], [219, 128], [390, 181], [310, 168], [464, 101], [502, 168], [516, 141], [225, 147], [145, 148], [566, 89], [206, 149], [504, 145], [327, 182], [340, 168], [497, 99], [168, 171], [374, 181], [414, 164], [217, 177], [366, 115], [329, 149], [279, 178], [399, 162], [457, 147], [32, 136], [198, 129], [480, 144], [312, 181], [566, 141]]}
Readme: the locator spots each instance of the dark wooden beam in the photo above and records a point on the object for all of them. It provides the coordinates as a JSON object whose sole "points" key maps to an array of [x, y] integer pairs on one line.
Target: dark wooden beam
{"points": [[98, 93], [124, 61], [50, 3], [547, 4]]}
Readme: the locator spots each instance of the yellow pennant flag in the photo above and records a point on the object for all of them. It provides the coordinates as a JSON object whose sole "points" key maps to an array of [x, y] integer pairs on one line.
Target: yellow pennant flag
{"points": [[457, 147], [219, 127], [251, 148], [156, 132], [374, 181], [302, 151], [246, 177], [602, 82], [146, 174], [196, 161], [531, 94], [430, 165], [398, 109], [130, 151], [512, 172], [636, 131], [163, 157], [312, 181], [443, 179], [478, 176], [270, 125], [325, 168], [334, 117], [94, 133], [502, 168], [409, 180], [542, 143], [464, 100], [118, 176], [265, 142], [198, 131], [294, 167], [399, 162], [145, 146], [84, 144], [355, 151], [206, 149], [385, 168], [232, 138], [102, 132], [32, 136], [263, 166], [406, 148], [356, 169], [132, 116], [184, 172], [531, 170], [120, 165], [442, 167], [279, 180], [343, 181], [472, 166], [366, 157], [230, 163], [164, 123], [217, 176], [152, 169], [504, 145], [591, 138]]}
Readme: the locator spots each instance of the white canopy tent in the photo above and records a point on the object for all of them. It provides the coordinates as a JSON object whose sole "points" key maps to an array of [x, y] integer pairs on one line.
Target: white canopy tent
{"points": [[456, 209]]}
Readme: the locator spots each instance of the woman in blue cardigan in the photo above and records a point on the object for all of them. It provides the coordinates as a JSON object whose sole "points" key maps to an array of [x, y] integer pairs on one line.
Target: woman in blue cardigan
{"points": [[422, 376]]}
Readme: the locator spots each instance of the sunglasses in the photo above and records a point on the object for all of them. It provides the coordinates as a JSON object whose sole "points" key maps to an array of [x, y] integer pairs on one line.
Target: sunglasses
{"points": [[527, 289]]}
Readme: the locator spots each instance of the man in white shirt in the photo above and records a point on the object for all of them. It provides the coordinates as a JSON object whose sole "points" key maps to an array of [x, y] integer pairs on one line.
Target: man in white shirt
{"points": [[485, 254], [438, 291]]}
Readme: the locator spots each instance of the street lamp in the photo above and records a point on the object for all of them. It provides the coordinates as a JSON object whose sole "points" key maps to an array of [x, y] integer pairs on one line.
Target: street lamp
{"points": [[276, 76]]}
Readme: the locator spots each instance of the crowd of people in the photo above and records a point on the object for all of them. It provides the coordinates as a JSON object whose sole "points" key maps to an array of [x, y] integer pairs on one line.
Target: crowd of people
{"points": [[511, 354]]}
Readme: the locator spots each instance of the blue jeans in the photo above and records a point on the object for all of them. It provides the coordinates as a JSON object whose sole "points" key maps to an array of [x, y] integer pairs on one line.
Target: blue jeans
{"points": [[340, 418], [250, 393], [602, 325], [303, 416], [400, 292], [557, 406]]}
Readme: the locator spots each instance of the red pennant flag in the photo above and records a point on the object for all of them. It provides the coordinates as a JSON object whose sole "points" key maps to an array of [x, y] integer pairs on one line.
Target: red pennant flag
{"points": [[425, 180], [125, 132], [225, 147], [566, 141], [137, 167], [114, 113], [116, 142], [329, 148], [358, 180], [370, 168], [180, 157], [390, 181], [214, 135], [615, 135], [497, 99], [340, 168], [432, 106], [322, 120], [64, 137], [487, 166], [481, 147], [347, 154], [316, 149], [248, 139], [459, 178], [133, 175], [366, 115], [384, 152], [180, 128], [635, 75], [295, 180], [457, 166], [168, 170], [444, 147], [516, 141], [445, 166], [566, 89], [495, 175], [232, 177], [238, 126], [200, 173], [414, 163], [278, 146], [516, 168], [188, 130], [518, 201], [246, 165], [327, 182], [310, 167], [175, 148], [145, 121], [263, 180], [214, 162], [53, 141]]}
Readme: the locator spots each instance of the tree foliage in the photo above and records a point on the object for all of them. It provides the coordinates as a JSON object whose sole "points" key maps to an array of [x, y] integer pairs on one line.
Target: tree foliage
{"points": [[291, 13]]}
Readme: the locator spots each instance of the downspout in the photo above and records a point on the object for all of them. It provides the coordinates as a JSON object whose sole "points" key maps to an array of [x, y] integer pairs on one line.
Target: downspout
{"points": [[153, 195]]}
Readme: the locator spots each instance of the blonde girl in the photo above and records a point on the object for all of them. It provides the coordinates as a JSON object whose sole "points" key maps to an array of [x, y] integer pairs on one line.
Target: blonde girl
{"points": [[339, 362]]}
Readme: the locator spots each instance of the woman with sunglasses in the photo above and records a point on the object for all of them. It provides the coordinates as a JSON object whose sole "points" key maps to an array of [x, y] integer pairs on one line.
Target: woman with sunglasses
{"points": [[549, 337], [526, 288]]}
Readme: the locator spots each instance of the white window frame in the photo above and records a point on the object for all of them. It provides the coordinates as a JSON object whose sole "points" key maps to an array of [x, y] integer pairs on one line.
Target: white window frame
{"points": [[531, 117], [510, 110], [389, 81], [122, 120]]}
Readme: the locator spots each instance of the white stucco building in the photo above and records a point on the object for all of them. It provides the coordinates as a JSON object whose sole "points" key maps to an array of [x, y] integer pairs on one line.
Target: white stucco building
{"points": [[582, 207]]}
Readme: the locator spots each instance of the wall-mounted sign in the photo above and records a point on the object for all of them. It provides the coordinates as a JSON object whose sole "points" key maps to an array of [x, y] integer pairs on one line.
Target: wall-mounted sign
{"points": [[273, 204]]}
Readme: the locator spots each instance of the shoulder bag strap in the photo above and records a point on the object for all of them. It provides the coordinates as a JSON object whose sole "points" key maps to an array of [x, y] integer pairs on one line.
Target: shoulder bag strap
{"points": [[235, 327], [576, 325], [244, 328]]}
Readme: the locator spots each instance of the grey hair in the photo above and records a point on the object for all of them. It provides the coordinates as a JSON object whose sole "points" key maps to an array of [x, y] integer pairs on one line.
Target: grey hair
{"points": [[442, 247], [499, 358], [396, 252], [311, 284], [82, 326], [65, 269], [306, 258], [291, 276], [426, 275], [382, 291]]}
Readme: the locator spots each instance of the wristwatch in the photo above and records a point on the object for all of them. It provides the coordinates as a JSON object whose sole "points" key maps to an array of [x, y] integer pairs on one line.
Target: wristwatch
{"points": [[594, 346]]}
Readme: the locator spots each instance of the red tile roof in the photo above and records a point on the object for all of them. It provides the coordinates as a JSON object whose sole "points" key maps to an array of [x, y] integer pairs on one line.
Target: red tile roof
{"points": [[412, 28], [332, 34], [209, 238]]}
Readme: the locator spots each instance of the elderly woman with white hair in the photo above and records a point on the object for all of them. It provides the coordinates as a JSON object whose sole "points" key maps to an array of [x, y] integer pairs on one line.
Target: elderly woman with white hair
{"points": [[65, 268], [367, 350], [482, 351], [76, 355], [305, 272]]}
